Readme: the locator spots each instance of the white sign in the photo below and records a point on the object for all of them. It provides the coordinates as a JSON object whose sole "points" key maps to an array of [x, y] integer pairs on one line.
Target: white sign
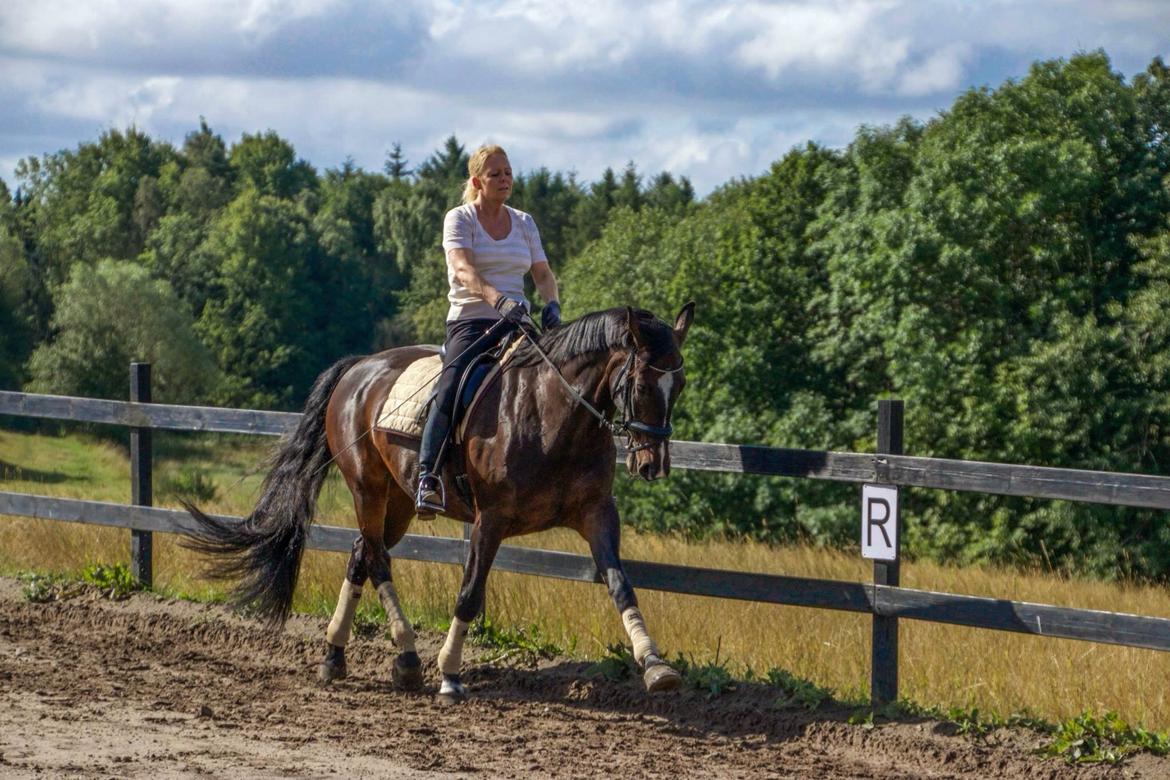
{"points": [[879, 522]]}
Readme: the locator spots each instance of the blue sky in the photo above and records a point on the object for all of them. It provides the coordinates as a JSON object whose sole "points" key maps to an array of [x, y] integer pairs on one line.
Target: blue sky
{"points": [[711, 90]]}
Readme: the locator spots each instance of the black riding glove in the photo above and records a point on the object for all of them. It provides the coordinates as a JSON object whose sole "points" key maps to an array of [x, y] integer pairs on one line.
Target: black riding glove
{"points": [[510, 308], [550, 315]]}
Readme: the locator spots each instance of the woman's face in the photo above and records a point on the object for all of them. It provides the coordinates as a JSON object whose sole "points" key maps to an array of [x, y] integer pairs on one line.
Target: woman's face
{"points": [[495, 183]]}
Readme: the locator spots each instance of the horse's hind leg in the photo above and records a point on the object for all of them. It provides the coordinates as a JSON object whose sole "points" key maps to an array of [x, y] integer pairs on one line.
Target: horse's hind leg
{"points": [[407, 669], [603, 532], [382, 520], [337, 635]]}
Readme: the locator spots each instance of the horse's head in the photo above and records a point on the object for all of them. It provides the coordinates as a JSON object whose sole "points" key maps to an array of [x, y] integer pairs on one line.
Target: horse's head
{"points": [[647, 387]]}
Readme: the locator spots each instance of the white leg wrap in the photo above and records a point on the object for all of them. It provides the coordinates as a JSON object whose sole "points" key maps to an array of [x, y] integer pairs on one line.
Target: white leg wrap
{"points": [[401, 632], [451, 656], [347, 603], [639, 636]]}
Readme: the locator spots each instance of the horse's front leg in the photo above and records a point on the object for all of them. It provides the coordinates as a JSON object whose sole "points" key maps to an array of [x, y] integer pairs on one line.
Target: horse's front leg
{"points": [[602, 529], [485, 542]]}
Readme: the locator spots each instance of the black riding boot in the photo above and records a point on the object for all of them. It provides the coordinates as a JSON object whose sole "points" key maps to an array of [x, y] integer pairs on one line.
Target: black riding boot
{"points": [[431, 496]]}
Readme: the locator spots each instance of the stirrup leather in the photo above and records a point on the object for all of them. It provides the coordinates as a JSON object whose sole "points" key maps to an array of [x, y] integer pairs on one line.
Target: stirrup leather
{"points": [[432, 494]]}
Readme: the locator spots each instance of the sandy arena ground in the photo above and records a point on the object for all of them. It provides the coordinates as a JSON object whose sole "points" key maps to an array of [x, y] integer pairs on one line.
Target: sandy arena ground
{"points": [[154, 688]]}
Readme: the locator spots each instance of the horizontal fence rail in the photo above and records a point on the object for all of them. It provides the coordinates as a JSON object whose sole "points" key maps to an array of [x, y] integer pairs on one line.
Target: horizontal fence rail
{"points": [[164, 416], [1100, 487], [972, 611]]}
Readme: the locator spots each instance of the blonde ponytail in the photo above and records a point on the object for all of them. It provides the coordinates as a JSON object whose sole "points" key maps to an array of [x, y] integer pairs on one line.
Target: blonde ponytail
{"points": [[476, 164]]}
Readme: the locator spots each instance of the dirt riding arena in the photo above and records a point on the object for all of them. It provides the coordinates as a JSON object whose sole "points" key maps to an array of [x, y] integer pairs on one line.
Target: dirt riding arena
{"points": [[155, 688]]}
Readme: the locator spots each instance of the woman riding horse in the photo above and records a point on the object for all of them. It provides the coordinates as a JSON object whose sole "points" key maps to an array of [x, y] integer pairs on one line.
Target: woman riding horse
{"points": [[489, 247], [534, 452]]}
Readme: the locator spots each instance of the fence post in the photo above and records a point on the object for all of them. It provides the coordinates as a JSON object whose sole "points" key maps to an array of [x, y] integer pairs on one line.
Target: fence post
{"points": [[884, 648], [141, 480]]}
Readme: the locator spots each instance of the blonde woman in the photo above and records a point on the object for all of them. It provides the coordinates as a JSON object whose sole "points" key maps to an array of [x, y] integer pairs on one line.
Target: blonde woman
{"points": [[490, 246]]}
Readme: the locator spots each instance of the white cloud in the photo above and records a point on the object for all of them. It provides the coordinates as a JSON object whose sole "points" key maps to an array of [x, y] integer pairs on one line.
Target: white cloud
{"points": [[940, 71], [804, 36], [710, 89], [65, 26]]}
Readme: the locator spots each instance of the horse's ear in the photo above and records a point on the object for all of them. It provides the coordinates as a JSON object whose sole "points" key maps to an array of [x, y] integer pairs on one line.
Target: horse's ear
{"points": [[635, 326], [682, 322]]}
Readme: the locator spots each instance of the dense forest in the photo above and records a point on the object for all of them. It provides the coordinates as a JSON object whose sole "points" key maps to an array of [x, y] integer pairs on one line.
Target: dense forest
{"points": [[1003, 267]]}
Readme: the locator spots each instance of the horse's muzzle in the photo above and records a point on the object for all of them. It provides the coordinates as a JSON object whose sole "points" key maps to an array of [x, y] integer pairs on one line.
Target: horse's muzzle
{"points": [[647, 463]]}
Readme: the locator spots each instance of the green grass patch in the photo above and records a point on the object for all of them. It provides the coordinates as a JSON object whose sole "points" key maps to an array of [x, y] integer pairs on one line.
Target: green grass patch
{"points": [[43, 587], [509, 642], [616, 664], [797, 692], [1088, 739], [711, 678], [111, 581], [114, 581]]}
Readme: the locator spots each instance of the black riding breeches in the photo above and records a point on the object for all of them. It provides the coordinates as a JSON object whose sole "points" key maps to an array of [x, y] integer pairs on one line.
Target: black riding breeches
{"points": [[461, 350]]}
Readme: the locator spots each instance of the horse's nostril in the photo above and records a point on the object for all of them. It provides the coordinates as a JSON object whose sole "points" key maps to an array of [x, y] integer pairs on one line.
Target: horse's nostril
{"points": [[648, 471]]}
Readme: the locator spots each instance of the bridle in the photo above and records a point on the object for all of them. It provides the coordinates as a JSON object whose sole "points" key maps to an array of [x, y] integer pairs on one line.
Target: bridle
{"points": [[622, 387]]}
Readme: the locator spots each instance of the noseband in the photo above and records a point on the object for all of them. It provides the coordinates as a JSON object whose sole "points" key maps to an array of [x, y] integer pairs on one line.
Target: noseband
{"points": [[624, 389]]}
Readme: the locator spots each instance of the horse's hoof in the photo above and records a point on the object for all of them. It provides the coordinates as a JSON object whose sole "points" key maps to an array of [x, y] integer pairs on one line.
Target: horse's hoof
{"points": [[661, 677], [407, 672], [451, 691], [332, 666]]}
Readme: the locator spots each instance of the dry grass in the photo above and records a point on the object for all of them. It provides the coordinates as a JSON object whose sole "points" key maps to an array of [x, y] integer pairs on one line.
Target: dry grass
{"points": [[941, 665]]}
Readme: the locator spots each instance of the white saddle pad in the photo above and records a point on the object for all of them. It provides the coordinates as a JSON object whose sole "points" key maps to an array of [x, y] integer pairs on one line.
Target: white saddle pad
{"points": [[404, 409]]}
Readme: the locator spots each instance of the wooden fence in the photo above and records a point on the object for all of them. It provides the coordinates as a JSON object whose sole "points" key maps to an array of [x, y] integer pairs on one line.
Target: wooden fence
{"points": [[884, 599]]}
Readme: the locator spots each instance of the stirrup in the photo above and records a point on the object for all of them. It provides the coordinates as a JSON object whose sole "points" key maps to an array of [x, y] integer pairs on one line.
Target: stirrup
{"points": [[431, 497]]}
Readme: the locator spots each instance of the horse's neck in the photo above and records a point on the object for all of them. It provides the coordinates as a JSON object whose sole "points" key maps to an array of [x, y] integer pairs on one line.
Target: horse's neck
{"points": [[592, 379]]}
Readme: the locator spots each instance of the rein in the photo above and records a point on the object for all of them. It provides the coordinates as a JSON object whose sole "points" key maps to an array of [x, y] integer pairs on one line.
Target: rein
{"points": [[626, 426]]}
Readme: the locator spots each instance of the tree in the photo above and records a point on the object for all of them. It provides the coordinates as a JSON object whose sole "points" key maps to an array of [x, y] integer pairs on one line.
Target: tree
{"points": [[551, 200], [409, 222], [254, 320], [17, 306], [81, 205], [629, 191], [447, 167], [396, 164], [591, 213], [669, 195], [354, 279], [110, 314], [268, 163]]}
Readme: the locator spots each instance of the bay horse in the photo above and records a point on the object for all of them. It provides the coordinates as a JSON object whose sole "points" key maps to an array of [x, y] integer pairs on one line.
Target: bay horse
{"points": [[535, 455]]}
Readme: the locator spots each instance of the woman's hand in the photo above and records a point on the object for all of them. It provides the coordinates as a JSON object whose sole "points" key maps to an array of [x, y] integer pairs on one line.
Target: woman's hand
{"points": [[550, 315], [510, 309]]}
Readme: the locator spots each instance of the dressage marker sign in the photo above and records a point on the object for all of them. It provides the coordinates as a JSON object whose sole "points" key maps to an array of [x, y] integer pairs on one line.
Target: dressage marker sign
{"points": [[879, 522]]}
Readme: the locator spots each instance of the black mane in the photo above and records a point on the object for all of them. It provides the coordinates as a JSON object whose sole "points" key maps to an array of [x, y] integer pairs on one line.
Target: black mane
{"points": [[601, 331]]}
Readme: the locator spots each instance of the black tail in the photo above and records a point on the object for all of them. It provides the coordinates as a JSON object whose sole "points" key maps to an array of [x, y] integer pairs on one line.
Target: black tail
{"points": [[265, 550]]}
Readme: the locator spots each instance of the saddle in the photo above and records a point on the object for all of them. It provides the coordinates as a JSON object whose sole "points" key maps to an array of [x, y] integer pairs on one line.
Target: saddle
{"points": [[404, 412]]}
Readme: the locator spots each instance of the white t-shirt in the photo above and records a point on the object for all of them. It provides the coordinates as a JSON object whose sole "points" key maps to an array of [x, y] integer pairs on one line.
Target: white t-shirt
{"points": [[502, 264]]}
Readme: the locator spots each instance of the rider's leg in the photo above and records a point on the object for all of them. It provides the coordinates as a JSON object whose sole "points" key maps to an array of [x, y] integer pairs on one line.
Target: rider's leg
{"points": [[461, 335]]}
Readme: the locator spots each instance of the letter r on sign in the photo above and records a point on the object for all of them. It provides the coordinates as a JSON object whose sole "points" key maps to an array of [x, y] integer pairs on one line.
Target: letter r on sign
{"points": [[879, 513], [879, 522]]}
